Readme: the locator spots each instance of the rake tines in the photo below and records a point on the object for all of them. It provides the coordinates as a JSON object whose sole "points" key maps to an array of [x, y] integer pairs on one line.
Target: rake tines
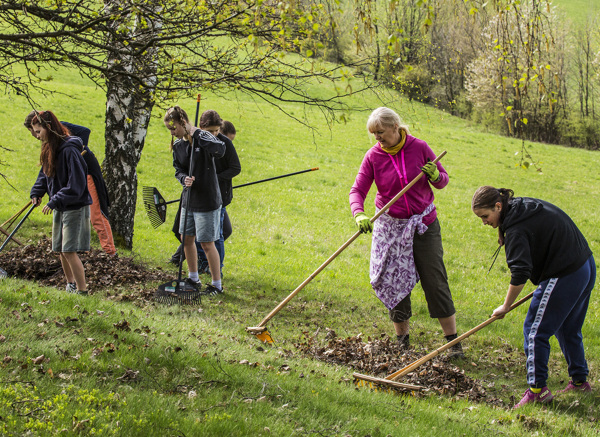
{"points": [[155, 205], [174, 293], [380, 384]]}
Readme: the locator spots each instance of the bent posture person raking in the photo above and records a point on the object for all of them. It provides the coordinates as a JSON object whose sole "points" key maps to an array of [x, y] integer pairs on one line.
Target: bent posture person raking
{"points": [[543, 245]]}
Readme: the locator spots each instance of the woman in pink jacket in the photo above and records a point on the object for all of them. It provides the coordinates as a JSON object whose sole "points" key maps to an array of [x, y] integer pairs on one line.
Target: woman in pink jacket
{"points": [[407, 241]]}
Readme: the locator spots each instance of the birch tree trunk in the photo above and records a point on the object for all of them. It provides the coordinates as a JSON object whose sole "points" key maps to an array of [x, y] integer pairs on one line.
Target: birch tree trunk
{"points": [[128, 110]]}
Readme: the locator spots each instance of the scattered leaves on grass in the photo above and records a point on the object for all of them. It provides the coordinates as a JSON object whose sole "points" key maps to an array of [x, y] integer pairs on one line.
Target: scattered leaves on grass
{"points": [[130, 375], [38, 360], [123, 325]]}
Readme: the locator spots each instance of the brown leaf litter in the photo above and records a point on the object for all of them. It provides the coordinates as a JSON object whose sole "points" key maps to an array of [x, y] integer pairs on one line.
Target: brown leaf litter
{"points": [[382, 357], [122, 277]]}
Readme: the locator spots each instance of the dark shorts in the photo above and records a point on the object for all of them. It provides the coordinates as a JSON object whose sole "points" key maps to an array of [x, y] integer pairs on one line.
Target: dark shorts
{"points": [[71, 230], [429, 260]]}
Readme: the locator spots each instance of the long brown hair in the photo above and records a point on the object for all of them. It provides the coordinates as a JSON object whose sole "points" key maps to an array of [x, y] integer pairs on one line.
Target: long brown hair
{"points": [[175, 115], [56, 136], [486, 197]]}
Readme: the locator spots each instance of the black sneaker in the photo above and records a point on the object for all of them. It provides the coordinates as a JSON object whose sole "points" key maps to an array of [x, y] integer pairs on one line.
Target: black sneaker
{"points": [[403, 341], [211, 290], [196, 285], [82, 292], [456, 352]]}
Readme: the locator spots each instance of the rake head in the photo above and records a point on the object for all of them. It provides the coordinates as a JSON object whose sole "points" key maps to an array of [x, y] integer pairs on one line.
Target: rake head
{"points": [[261, 333], [382, 384], [177, 293], [155, 205]]}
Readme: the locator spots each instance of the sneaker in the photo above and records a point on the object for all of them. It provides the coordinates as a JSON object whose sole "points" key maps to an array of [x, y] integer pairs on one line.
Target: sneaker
{"points": [[585, 387], [82, 292], [194, 284], [403, 341], [542, 397], [456, 352], [211, 290], [71, 287]]}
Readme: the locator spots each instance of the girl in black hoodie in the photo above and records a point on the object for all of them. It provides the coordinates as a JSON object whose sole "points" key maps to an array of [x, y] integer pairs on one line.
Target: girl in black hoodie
{"points": [[543, 244], [194, 155]]}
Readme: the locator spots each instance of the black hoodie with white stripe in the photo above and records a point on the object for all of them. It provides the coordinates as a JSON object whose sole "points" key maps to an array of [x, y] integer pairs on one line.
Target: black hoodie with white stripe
{"points": [[542, 241]]}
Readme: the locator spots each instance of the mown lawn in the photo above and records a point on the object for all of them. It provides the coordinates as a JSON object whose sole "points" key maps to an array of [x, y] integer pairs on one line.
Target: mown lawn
{"points": [[195, 371]]}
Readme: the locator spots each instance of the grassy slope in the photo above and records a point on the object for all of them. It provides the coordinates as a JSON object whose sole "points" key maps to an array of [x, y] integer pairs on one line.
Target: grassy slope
{"points": [[283, 230], [578, 10]]}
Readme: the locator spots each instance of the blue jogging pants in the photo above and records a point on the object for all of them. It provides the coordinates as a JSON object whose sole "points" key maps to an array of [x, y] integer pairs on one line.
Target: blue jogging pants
{"points": [[558, 307]]}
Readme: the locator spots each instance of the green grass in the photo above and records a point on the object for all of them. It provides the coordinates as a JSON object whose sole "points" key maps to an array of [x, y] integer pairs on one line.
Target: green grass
{"points": [[283, 231], [578, 11]]}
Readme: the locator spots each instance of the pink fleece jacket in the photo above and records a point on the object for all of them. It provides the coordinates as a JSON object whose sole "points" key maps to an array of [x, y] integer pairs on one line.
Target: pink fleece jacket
{"points": [[391, 177]]}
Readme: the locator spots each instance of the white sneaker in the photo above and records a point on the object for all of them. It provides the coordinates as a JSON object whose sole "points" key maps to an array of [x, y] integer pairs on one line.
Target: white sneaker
{"points": [[71, 287]]}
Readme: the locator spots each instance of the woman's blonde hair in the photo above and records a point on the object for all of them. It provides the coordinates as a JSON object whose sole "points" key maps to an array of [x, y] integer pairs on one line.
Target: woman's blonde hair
{"points": [[385, 117]]}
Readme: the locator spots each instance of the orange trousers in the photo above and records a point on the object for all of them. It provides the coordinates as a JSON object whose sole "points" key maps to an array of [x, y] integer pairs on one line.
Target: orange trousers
{"points": [[99, 222]]}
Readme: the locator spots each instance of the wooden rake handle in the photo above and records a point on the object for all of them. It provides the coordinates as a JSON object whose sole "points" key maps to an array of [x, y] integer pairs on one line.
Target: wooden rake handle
{"points": [[260, 327], [10, 221], [448, 345]]}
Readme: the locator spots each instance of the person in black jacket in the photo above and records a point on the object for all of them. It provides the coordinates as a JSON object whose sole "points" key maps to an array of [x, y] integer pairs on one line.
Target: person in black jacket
{"points": [[96, 187], [63, 178], [193, 159], [227, 167], [543, 244]]}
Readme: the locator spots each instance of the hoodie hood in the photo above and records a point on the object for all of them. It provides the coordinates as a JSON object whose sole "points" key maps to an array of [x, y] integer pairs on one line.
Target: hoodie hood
{"points": [[542, 242], [520, 209], [71, 141]]}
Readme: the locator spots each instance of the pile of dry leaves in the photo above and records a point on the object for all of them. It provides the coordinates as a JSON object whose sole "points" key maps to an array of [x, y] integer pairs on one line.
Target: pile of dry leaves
{"points": [[37, 262], [381, 357]]}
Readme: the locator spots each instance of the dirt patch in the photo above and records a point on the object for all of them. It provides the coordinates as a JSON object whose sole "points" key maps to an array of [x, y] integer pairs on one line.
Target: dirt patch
{"points": [[382, 357], [122, 278]]}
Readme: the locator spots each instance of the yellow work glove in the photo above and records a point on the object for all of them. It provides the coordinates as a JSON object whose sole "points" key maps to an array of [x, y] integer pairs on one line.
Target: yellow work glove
{"points": [[432, 172], [363, 222]]}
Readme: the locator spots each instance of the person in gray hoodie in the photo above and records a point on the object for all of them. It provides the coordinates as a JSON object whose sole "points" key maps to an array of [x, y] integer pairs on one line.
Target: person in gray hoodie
{"points": [[543, 245]]}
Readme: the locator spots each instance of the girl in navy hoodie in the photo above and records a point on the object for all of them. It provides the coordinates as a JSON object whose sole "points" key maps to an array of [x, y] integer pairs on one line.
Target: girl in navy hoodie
{"points": [[63, 178], [543, 244]]}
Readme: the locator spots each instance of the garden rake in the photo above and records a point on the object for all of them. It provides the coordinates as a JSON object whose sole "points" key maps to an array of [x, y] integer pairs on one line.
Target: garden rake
{"points": [[371, 381], [261, 331], [156, 205], [179, 291], [8, 223], [3, 273]]}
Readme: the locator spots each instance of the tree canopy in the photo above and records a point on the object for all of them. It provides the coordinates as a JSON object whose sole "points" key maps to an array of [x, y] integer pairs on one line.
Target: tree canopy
{"points": [[145, 52]]}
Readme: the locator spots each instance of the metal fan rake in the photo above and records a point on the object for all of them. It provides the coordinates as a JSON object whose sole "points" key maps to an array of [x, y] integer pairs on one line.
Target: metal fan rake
{"points": [[155, 205], [177, 292]]}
